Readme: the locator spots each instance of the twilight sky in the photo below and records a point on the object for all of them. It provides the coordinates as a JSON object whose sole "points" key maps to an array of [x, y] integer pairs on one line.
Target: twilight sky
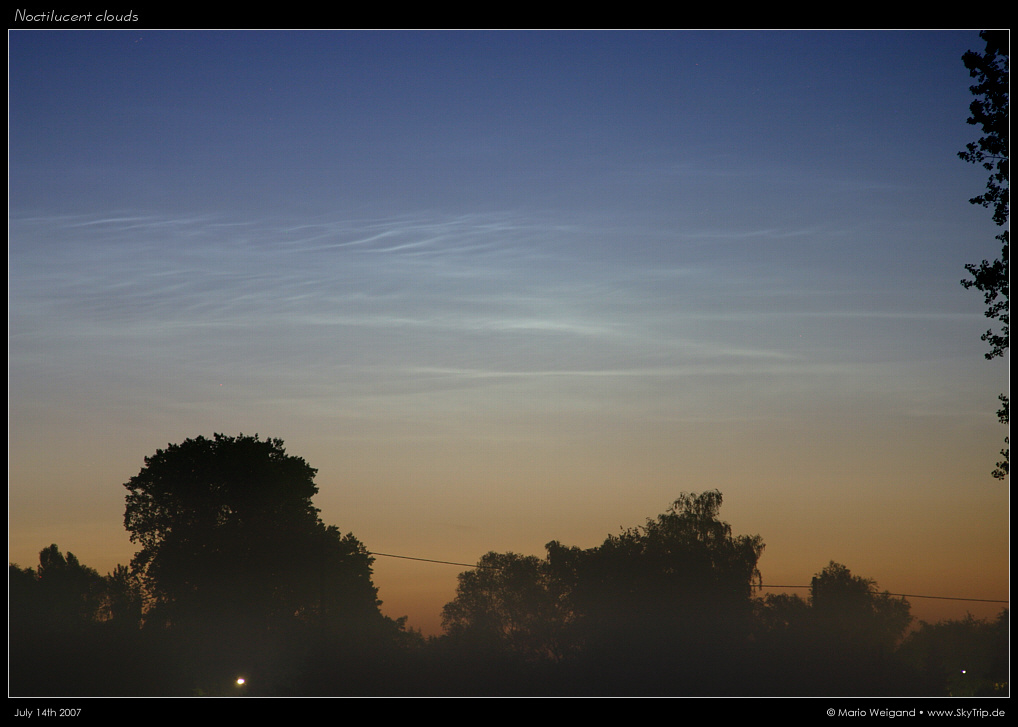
{"points": [[502, 288]]}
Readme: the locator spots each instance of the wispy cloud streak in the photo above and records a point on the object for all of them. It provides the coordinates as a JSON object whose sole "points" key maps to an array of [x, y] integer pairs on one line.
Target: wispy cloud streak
{"points": [[344, 308]]}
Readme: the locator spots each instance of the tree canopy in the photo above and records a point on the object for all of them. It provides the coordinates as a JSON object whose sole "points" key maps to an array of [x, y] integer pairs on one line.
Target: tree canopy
{"points": [[227, 529], [851, 606], [989, 110], [61, 593], [680, 575], [674, 578], [507, 602]]}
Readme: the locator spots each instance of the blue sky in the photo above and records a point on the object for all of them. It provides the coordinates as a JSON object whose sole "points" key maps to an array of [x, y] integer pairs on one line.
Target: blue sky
{"points": [[509, 287]]}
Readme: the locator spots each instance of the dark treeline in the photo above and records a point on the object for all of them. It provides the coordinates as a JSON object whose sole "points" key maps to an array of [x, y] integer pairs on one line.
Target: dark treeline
{"points": [[237, 577]]}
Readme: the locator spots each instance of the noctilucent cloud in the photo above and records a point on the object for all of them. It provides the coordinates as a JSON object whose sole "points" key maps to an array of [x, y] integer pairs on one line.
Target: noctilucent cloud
{"points": [[503, 288]]}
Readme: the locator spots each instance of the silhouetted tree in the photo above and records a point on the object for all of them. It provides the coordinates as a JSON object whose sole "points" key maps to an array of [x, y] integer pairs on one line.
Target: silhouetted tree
{"points": [[850, 610], [656, 609], [781, 614], [239, 569], [122, 599], [841, 641], [507, 603], [681, 569], [71, 631], [664, 608], [229, 535], [990, 111], [1003, 416], [961, 658], [60, 595]]}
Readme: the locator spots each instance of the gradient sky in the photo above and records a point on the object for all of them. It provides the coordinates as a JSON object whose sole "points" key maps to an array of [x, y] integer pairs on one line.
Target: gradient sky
{"points": [[502, 288]]}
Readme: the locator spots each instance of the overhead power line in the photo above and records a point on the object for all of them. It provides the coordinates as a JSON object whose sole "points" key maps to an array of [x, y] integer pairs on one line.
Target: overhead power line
{"points": [[901, 595], [426, 560]]}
